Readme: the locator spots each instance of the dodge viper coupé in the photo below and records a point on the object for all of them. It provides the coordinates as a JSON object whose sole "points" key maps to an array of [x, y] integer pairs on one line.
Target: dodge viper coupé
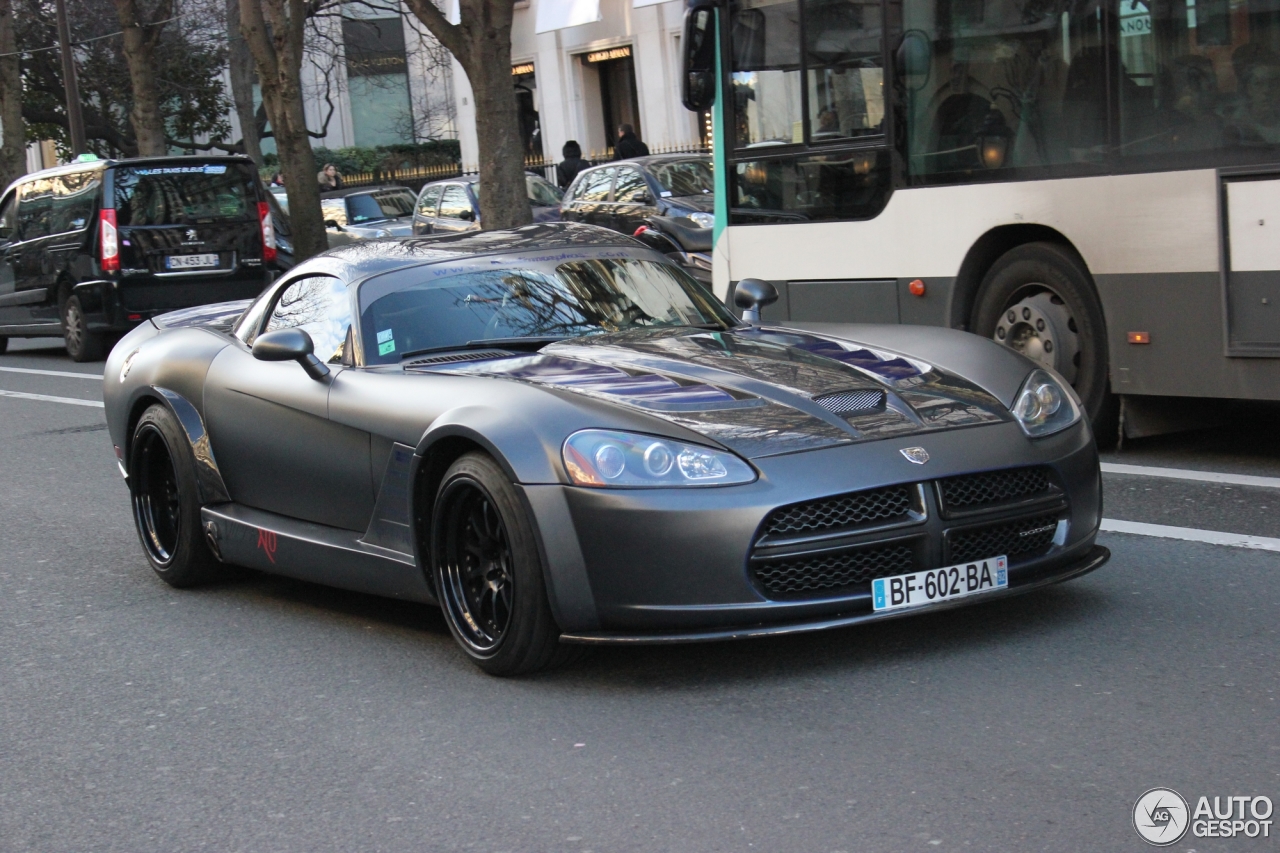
{"points": [[562, 439]]}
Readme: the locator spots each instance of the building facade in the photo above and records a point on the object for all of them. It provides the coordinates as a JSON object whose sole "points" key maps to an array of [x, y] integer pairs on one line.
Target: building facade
{"points": [[582, 68]]}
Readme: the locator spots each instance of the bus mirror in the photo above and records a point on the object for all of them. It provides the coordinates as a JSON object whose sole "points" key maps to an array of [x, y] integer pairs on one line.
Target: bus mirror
{"points": [[699, 90], [914, 59]]}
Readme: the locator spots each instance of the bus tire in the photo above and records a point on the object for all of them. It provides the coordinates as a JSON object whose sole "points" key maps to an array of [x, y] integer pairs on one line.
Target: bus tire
{"points": [[1039, 299]]}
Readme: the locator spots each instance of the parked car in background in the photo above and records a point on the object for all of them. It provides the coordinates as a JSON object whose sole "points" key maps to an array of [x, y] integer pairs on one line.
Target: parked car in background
{"points": [[367, 213], [279, 207], [682, 240], [448, 207], [281, 196], [623, 195], [92, 249]]}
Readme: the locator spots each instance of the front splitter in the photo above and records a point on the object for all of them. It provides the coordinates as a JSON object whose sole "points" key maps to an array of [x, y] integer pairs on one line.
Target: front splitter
{"points": [[1095, 558]]}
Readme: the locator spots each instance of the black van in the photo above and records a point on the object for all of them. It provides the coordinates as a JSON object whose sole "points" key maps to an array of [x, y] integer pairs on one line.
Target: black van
{"points": [[89, 250]]}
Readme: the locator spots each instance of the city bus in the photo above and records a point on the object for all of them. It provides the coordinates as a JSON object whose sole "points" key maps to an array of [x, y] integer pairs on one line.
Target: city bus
{"points": [[1095, 183]]}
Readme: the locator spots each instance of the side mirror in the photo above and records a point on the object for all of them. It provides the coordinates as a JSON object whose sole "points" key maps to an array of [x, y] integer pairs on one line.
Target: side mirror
{"points": [[751, 295], [333, 223], [699, 77], [290, 345], [913, 59], [644, 198], [468, 215]]}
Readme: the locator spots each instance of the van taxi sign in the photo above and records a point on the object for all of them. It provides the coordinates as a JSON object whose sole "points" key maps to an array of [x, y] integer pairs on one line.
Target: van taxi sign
{"points": [[611, 53]]}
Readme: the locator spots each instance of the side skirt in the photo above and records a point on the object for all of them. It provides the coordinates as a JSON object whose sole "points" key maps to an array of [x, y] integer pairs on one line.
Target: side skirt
{"points": [[331, 556]]}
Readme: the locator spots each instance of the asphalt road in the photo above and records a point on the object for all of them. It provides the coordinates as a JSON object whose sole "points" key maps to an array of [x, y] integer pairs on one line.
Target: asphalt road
{"points": [[272, 715]]}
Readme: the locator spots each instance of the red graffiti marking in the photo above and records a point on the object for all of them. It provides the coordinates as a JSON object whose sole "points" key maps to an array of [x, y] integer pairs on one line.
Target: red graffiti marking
{"points": [[267, 542]]}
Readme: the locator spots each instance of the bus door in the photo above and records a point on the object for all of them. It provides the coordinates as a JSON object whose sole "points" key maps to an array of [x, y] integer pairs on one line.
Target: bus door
{"points": [[1251, 262]]}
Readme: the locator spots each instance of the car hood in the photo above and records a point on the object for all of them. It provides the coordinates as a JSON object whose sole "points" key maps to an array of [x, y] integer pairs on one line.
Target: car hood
{"points": [[758, 391], [705, 202]]}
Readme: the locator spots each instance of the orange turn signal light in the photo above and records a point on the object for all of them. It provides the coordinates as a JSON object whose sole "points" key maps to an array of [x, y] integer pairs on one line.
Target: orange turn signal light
{"points": [[1139, 337], [916, 287]]}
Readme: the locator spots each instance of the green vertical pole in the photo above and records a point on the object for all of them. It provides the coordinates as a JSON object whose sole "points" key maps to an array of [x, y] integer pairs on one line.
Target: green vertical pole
{"points": [[719, 138]]}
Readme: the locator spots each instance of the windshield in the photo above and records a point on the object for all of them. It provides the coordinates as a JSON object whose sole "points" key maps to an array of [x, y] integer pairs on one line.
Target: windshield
{"points": [[184, 195], [370, 207], [684, 177], [569, 300], [541, 192]]}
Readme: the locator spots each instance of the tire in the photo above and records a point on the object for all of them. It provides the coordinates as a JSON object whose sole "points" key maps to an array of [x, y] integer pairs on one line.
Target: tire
{"points": [[166, 504], [488, 572], [82, 344], [1039, 299]]}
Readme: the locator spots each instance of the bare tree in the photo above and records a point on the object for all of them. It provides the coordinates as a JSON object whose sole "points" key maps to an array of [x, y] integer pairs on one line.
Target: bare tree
{"points": [[481, 42], [240, 68], [141, 36], [275, 32], [13, 146]]}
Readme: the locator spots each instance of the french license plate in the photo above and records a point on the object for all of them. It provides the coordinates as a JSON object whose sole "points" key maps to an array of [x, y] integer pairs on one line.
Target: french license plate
{"points": [[190, 262], [937, 585]]}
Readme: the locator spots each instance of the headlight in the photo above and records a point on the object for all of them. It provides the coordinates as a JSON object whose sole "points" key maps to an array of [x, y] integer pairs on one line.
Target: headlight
{"points": [[605, 458], [704, 220], [380, 233], [1045, 405]]}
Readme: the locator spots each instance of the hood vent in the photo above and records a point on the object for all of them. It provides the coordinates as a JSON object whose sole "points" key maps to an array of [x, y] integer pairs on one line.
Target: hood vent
{"points": [[477, 355], [846, 403]]}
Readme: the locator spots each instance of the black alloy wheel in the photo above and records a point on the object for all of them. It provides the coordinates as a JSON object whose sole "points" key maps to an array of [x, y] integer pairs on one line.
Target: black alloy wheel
{"points": [[82, 344], [157, 505], [166, 501], [488, 572], [476, 566]]}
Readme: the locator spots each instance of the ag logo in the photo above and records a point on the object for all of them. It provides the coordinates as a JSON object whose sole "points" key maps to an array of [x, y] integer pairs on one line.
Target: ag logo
{"points": [[191, 235], [917, 455], [1160, 816]]}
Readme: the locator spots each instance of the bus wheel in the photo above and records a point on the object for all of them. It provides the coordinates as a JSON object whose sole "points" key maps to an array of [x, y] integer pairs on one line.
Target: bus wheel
{"points": [[1039, 300]]}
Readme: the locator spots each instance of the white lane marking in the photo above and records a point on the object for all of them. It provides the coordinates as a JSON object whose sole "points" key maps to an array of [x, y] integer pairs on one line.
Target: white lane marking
{"points": [[1186, 474], [1191, 534], [97, 377], [70, 401]]}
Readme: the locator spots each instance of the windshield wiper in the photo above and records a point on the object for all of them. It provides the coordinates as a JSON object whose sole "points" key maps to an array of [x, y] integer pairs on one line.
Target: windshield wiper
{"points": [[527, 342]]}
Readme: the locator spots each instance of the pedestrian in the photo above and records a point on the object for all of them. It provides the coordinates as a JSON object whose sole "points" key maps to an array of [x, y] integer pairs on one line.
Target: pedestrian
{"points": [[571, 165], [329, 178], [629, 145], [277, 180]]}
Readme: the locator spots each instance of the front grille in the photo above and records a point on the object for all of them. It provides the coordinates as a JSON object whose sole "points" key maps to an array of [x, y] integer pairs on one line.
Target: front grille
{"points": [[851, 402], [1023, 537], [991, 487], [873, 505], [831, 573]]}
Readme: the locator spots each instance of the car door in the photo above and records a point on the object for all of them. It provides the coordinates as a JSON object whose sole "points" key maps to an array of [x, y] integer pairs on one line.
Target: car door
{"points": [[269, 421], [66, 254], [8, 240], [424, 214], [591, 202], [632, 200], [456, 212], [32, 272]]}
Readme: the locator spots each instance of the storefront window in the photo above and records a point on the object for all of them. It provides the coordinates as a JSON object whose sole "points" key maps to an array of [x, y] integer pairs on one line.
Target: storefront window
{"points": [[377, 81]]}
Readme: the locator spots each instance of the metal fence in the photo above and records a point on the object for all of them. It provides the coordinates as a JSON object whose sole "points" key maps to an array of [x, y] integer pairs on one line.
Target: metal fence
{"points": [[415, 177]]}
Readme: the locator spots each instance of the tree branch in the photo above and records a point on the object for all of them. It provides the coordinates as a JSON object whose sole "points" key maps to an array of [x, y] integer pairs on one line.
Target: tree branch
{"points": [[449, 35]]}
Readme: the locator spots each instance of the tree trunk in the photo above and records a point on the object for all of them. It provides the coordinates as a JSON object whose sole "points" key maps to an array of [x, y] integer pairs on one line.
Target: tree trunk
{"points": [[481, 42], [240, 65], [140, 40], [13, 147], [273, 30]]}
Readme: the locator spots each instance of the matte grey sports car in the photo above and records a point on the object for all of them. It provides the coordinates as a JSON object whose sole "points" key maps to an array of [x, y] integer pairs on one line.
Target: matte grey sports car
{"points": [[562, 439]]}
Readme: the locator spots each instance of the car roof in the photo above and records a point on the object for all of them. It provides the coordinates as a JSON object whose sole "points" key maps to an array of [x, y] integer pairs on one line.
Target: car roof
{"points": [[102, 165], [362, 259], [651, 160], [350, 191], [471, 179]]}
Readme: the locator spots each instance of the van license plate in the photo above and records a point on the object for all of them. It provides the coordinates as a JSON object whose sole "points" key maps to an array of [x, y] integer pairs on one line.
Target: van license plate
{"points": [[190, 262], [938, 585]]}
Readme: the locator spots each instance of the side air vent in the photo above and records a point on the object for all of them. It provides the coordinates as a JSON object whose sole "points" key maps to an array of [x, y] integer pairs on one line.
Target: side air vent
{"points": [[845, 403], [477, 355]]}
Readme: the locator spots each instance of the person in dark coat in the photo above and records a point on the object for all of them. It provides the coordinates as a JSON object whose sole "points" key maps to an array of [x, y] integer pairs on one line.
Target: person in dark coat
{"points": [[629, 145], [571, 165]]}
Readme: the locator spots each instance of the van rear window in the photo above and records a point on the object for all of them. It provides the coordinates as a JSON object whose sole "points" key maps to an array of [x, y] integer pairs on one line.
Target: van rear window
{"points": [[184, 195]]}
